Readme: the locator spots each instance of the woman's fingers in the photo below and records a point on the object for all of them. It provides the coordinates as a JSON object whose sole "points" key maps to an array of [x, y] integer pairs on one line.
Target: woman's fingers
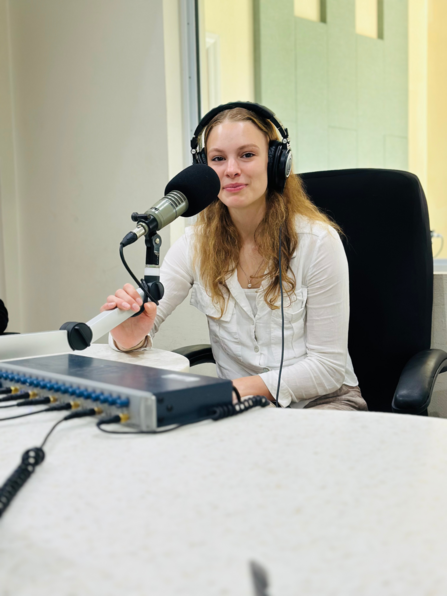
{"points": [[126, 298], [131, 291], [109, 305], [125, 301]]}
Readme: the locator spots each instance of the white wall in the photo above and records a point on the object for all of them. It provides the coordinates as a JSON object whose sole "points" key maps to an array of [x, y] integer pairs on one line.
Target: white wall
{"points": [[90, 114], [9, 225], [89, 111]]}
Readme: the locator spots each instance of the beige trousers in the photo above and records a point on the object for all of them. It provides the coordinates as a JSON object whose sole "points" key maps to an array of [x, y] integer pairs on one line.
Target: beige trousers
{"points": [[345, 398]]}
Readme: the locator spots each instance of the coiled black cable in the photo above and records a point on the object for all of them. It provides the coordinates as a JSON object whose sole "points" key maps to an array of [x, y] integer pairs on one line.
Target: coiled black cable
{"points": [[216, 413], [32, 458], [248, 403]]}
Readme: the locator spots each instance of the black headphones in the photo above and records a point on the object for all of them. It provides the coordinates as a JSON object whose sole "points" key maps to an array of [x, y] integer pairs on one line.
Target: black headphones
{"points": [[280, 153]]}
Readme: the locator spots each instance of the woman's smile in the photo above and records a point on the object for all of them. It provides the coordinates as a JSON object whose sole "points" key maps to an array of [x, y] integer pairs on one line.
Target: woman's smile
{"points": [[234, 187]]}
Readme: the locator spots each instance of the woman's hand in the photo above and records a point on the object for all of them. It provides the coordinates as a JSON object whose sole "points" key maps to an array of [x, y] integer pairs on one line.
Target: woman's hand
{"points": [[134, 330], [252, 386]]}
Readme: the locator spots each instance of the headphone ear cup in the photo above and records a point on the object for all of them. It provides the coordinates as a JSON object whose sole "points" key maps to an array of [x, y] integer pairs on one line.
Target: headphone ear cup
{"points": [[284, 167], [279, 165], [272, 164]]}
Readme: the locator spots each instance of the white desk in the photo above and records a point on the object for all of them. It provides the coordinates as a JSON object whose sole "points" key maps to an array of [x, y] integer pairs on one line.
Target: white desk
{"points": [[153, 357], [331, 503]]}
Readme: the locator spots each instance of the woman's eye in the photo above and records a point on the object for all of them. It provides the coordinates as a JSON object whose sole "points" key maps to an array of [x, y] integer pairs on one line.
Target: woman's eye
{"points": [[217, 158], [248, 154]]}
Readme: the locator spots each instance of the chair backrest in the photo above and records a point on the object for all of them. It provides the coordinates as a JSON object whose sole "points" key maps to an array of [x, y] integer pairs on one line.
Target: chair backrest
{"points": [[384, 216]]}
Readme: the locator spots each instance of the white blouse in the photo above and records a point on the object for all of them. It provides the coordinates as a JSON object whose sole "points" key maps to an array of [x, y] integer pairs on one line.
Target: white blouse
{"points": [[316, 358]]}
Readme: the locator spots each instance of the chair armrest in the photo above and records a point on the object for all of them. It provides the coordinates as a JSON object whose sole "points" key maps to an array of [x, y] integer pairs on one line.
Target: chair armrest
{"points": [[415, 386], [198, 354]]}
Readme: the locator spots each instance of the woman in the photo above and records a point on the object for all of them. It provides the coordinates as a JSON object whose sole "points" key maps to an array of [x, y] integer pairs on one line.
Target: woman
{"points": [[230, 259]]}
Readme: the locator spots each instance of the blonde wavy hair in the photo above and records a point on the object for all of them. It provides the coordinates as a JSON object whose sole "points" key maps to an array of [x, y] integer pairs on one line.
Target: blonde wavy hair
{"points": [[218, 244]]}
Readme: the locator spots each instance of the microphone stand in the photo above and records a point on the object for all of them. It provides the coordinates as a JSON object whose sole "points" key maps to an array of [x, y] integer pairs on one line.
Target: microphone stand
{"points": [[79, 336], [152, 269]]}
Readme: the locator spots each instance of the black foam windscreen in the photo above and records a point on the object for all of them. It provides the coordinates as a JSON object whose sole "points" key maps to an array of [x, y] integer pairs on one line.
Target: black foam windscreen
{"points": [[199, 183]]}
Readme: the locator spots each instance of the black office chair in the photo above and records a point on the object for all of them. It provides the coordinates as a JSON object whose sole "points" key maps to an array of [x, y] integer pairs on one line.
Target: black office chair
{"points": [[384, 216]]}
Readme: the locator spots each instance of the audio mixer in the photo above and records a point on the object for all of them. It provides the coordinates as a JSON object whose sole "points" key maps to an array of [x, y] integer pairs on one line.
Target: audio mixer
{"points": [[151, 397]]}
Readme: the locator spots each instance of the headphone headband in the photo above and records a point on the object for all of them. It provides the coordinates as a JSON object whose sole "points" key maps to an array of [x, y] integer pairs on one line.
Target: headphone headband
{"points": [[247, 105], [279, 163]]}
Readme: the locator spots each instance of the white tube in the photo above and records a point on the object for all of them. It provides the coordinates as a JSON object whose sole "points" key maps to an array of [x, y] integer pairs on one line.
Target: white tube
{"points": [[27, 345], [33, 344], [108, 320]]}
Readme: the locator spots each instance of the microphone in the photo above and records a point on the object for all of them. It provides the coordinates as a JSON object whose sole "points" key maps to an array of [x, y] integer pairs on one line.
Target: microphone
{"points": [[188, 193]]}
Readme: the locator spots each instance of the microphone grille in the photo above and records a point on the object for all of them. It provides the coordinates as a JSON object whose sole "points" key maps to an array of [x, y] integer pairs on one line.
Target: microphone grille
{"points": [[199, 183]]}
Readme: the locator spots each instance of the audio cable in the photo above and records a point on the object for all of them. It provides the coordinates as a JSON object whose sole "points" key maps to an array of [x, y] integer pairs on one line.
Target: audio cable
{"points": [[282, 319], [238, 395], [216, 413], [39, 401], [34, 457], [140, 283], [7, 391], [71, 405], [15, 394]]}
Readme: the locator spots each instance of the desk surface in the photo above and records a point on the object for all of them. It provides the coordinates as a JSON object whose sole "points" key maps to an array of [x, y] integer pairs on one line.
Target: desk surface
{"points": [[331, 503], [153, 357]]}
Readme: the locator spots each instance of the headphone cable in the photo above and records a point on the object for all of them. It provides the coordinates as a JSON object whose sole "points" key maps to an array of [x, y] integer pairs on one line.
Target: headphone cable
{"points": [[282, 319]]}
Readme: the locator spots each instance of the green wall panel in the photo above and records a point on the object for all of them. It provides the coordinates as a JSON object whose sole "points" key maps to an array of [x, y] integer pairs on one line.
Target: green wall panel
{"points": [[310, 150], [343, 96], [396, 67], [311, 74], [396, 152], [310, 146], [371, 112], [371, 149], [371, 109], [274, 24], [342, 148], [341, 63]]}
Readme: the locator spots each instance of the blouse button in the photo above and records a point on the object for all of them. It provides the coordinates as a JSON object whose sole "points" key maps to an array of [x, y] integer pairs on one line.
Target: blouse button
{"points": [[256, 349], [266, 369]]}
